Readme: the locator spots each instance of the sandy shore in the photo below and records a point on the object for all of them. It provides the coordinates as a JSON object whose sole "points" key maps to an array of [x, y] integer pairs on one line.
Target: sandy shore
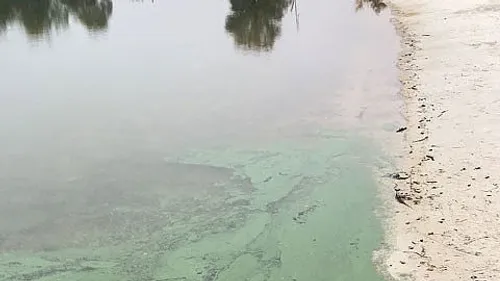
{"points": [[450, 72]]}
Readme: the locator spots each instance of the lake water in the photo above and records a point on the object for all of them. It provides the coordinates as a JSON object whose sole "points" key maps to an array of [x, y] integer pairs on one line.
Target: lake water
{"points": [[193, 140]]}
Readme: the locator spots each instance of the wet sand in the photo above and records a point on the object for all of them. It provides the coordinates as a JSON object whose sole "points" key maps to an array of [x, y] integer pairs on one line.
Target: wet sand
{"points": [[449, 68]]}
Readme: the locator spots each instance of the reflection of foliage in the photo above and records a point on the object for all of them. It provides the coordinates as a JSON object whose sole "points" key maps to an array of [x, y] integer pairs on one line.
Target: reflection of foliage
{"points": [[376, 5], [40, 16], [255, 24]]}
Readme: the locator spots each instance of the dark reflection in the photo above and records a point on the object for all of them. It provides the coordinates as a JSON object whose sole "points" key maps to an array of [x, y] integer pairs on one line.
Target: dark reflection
{"points": [[376, 5], [256, 24], [39, 17]]}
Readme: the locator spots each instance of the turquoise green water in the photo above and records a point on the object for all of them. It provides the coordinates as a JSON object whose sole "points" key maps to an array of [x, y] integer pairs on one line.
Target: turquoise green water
{"points": [[288, 211]]}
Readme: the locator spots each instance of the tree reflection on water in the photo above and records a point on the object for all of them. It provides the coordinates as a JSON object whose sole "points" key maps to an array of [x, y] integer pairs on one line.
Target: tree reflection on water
{"points": [[38, 17], [256, 24]]}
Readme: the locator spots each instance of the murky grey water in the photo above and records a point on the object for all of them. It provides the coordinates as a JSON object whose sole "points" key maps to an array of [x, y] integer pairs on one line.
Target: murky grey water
{"points": [[191, 140], [169, 72]]}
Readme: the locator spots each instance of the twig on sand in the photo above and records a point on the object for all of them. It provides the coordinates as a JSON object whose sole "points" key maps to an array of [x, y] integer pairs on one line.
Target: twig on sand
{"points": [[401, 200], [422, 139], [442, 112]]}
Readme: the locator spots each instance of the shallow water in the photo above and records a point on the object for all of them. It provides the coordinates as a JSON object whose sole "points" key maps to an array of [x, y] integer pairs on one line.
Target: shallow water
{"points": [[192, 140]]}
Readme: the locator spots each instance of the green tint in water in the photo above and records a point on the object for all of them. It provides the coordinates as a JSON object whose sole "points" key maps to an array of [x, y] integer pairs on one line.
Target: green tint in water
{"points": [[290, 211], [124, 131]]}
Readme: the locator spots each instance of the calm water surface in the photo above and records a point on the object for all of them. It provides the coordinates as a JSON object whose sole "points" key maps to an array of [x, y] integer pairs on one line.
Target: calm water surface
{"points": [[192, 140]]}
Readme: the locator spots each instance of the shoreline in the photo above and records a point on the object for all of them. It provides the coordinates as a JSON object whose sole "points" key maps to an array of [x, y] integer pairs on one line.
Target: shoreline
{"points": [[449, 61]]}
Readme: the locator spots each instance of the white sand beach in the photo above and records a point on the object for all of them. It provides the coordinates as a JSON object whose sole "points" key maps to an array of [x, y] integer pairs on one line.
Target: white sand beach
{"points": [[450, 73]]}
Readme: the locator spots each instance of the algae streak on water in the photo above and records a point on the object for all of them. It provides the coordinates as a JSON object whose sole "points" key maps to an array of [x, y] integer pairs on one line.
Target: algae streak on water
{"points": [[290, 211]]}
